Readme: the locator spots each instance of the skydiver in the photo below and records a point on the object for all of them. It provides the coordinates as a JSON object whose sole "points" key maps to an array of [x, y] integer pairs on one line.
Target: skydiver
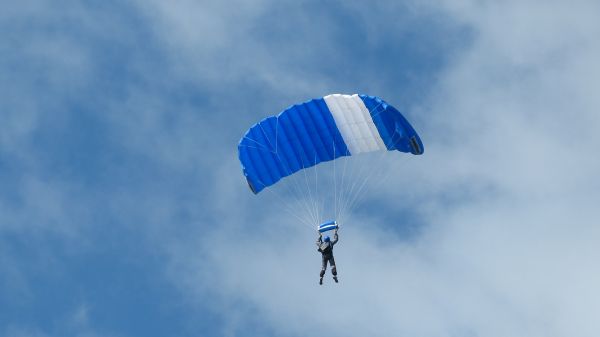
{"points": [[326, 249]]}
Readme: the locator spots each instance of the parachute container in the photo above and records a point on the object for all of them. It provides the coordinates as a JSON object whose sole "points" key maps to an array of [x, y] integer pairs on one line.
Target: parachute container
{"points": [[321, 130], [328, 226]]}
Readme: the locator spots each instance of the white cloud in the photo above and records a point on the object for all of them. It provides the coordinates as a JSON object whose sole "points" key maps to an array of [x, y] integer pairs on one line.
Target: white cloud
{"points": [[510, 132], [506, 189]]}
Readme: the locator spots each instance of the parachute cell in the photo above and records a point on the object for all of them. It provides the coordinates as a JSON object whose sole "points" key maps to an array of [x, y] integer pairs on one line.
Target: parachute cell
{"points": [[321, 130]]}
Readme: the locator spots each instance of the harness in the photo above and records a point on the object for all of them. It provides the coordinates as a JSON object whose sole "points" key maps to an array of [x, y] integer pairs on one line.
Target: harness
{"points": [[326, 248]]}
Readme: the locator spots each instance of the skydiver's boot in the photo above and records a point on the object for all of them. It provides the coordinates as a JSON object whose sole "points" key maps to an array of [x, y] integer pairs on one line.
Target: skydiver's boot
{"points": [[321, 281], [321, 276], [335, 279], [334, 272]]}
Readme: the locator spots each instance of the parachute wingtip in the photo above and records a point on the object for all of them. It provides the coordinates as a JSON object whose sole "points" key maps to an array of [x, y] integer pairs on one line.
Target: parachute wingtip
{"points": [[251, 186], [415, 144]]}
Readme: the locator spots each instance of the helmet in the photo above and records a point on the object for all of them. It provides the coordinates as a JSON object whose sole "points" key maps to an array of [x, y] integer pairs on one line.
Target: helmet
{"points": [[326, 239]]}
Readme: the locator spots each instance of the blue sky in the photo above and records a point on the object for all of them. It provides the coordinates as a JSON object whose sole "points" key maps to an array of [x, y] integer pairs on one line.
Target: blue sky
{"points": [[123, 210]]}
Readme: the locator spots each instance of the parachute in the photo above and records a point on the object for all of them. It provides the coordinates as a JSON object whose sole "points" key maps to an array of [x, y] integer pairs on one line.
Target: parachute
{"points": [[321, 130]]}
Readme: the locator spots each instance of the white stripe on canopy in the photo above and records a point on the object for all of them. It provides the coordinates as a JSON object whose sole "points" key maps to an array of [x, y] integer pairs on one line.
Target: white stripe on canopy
{"points": [[355, 123]]}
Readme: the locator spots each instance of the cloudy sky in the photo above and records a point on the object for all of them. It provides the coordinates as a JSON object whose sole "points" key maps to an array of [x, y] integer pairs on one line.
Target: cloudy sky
{"points": [[123, 210]]}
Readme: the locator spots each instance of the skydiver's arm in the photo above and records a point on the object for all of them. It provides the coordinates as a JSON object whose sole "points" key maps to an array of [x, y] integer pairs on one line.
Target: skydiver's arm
{"points": [[335, 238], [319, 239]]}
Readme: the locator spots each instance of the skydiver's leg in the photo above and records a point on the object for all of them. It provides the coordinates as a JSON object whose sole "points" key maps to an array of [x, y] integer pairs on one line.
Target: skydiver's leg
{"points": [[323, 267], [333, 268]]}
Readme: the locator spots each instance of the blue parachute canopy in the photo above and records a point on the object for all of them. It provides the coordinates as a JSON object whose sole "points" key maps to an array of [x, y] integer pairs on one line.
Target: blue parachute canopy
{"points": [[327, 226], [320, 130]]}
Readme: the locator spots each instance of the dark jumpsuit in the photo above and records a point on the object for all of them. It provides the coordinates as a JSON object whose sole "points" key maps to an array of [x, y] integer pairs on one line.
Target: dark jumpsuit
{"points": [[326, 250]]}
